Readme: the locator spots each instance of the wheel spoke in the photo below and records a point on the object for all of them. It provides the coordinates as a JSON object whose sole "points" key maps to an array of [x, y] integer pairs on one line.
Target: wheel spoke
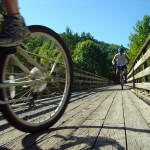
{"points": [[41, 71]]}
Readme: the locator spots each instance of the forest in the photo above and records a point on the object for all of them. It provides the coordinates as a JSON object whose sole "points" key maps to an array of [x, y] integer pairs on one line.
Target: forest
{"points": [[96, 56]]}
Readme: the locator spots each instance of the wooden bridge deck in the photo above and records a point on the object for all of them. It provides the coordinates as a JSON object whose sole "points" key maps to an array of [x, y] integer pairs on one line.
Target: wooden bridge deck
{"points": [[104, 118]]}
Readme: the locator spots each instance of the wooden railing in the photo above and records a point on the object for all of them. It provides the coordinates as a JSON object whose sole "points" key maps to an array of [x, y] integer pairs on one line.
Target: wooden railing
{"points": [[139, 74], [86, 80]]}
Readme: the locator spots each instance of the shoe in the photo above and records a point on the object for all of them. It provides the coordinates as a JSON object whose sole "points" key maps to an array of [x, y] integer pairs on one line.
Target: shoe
{"points": [[14, 31]]}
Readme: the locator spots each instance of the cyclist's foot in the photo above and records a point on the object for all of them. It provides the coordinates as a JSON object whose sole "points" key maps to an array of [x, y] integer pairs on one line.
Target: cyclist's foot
{"points": [[13, 31]]}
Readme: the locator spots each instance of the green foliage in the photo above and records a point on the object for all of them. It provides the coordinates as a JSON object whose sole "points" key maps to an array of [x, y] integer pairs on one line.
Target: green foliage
{"points": [[87, 56], [90, 56], [42, 46], [72, 39], [138, 38]]}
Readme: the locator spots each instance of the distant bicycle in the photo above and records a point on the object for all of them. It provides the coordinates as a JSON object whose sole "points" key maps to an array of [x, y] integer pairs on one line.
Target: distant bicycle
{"points": [[35, 80]]}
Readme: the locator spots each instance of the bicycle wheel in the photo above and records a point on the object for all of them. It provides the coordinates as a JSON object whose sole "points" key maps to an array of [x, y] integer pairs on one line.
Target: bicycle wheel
{"points": [[121, 81], [43, 90]]}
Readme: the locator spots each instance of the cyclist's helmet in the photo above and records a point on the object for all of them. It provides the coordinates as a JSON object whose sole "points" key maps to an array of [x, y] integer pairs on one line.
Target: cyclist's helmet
{"points": [[120, 49]]}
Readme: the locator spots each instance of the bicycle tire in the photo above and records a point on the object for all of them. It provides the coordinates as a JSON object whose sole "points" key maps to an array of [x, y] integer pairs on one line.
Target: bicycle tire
{"points": [[122, 86], [121, 81], [51, 95]]}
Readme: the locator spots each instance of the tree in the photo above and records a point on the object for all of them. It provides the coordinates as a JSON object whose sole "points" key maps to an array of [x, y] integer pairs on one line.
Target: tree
{"points": [[70, 39], [84, 57], [90, 57], [137, 39]]}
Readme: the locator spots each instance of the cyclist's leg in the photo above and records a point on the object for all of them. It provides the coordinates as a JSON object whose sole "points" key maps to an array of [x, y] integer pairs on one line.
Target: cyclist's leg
{"points": [[14, 29]]}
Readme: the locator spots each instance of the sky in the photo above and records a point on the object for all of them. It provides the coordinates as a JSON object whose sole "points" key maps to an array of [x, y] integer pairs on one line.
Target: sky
{"points": [[111, 21]]}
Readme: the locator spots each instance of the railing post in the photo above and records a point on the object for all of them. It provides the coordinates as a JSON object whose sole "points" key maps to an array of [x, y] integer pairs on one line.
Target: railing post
{"points": [[133, 79]]}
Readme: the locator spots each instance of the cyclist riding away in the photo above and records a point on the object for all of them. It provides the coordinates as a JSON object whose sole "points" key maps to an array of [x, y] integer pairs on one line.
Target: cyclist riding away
{"points": [[14, 29], [121, 59]]}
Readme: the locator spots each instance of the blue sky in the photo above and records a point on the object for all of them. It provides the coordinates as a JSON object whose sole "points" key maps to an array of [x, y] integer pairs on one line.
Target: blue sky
{"points": [[111, 21]]}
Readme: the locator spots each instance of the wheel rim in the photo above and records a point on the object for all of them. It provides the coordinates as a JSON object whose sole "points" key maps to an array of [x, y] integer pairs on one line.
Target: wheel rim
{"points": [[48, 96]]}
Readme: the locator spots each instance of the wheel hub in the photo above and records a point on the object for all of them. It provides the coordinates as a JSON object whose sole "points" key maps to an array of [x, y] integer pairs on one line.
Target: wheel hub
{"points": [[37, 74]]}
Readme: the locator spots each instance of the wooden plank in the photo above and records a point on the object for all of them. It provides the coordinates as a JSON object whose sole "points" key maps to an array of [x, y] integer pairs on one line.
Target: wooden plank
{"points": [[72, 124], [86, 135], [129, 84], [130, 73], [145, 96], [143, 59], [143, 108], [89, 77], [66, 125], [130, 79], [143, 85], [97, 117], [6, 135], [143, 73], [112, 135], [137, 129]]}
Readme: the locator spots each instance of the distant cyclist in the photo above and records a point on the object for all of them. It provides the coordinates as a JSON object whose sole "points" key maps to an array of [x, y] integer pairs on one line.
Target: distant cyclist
{"points": [[120, 59], [14, 29]]}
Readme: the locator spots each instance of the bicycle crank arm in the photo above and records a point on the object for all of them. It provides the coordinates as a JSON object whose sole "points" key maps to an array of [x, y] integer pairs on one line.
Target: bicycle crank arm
{"points": [[14, 100]]}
